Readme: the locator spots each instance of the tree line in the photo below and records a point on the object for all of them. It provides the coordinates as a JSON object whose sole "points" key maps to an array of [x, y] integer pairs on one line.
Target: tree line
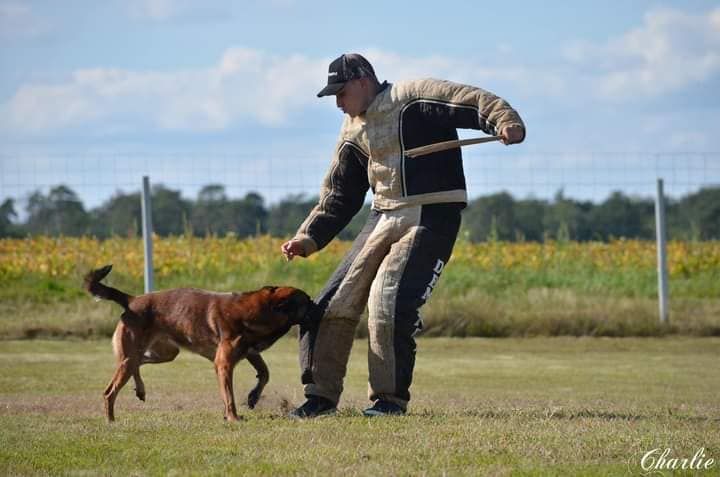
{"points": [[498, 216]]}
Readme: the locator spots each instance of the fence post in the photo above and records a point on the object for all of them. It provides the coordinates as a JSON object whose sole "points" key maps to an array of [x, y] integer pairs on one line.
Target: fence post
{"points": [[147, 234], [661, 252]]}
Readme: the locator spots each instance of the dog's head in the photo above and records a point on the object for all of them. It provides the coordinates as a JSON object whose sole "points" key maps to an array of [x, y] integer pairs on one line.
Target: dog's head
{"points": [[292, 302]]}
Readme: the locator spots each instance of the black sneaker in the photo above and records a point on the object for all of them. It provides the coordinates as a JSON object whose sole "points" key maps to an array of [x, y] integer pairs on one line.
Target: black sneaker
{"points": [[315, 406], [384, 408]]}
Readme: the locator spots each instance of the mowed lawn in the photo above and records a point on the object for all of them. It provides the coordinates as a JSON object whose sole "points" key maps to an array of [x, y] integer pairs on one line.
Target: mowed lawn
{"points": [[534, 406]]}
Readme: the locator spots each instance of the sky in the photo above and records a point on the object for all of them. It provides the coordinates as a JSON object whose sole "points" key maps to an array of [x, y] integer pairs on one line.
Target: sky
{"points": [[97, 94]]}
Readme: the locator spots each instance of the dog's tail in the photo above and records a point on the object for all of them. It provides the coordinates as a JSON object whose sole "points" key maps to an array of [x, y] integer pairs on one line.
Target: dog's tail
{"points": [[94, 287]]}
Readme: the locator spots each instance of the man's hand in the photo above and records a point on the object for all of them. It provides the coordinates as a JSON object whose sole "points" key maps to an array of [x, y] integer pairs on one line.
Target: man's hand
{"points": [[512, 134], [291, 248]]}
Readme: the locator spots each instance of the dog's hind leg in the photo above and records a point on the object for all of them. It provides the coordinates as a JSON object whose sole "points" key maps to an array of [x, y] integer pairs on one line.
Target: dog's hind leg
{"points": [[227, 355], [263, 376], [139, 385], [126, 368], [128, 355]]}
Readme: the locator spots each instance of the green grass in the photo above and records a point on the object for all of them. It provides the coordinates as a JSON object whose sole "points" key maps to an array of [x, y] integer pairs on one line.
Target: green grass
{"points": [[541, 406], [493, 290], [465, 303]]}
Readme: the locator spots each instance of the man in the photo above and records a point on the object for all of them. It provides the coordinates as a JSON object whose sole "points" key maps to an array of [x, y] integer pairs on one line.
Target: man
{"points": [[397, 258]]}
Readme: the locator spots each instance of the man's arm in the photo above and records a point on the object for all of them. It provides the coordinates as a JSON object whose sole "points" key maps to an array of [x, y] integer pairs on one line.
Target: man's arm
{"points": [[468, 107], [341, 197]]}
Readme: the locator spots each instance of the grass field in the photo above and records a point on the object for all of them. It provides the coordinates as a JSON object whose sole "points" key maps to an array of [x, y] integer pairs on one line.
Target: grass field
{"points": [[537, 406], [489, 289]]}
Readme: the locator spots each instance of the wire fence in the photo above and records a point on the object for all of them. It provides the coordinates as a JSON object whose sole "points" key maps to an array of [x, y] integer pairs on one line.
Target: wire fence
{"points": [[95, 177]]}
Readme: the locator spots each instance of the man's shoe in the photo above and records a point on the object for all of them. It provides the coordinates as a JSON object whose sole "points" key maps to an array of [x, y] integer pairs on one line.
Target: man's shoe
{"points": [[315, 406], [384, 408]]}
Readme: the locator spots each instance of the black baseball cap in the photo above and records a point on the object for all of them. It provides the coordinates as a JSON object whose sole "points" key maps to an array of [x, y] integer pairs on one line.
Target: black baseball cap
{"points": [[347, 67]]}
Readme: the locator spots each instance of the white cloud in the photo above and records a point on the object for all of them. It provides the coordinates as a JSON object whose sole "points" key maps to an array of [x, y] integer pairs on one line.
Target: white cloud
{"points": [[246, 84], [166, 10], [672, 50], [155, 9], [506, 80], [17, 20]]}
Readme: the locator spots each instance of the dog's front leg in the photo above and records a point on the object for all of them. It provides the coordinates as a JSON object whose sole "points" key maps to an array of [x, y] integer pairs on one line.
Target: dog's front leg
{"points": [[263, 376], [227, 355]]}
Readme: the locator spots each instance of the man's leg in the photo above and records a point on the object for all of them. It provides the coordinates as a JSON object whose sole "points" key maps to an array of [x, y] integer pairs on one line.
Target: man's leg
{"points": [[309, 332], [404, 282], [325, 346]]}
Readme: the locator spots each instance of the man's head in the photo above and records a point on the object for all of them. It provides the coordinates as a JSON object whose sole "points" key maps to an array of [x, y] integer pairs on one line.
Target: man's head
{"points": [[351, 78]]}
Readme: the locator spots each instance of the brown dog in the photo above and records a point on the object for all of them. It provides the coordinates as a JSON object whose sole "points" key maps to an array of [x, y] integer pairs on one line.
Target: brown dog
{"points": [[223, 327]]}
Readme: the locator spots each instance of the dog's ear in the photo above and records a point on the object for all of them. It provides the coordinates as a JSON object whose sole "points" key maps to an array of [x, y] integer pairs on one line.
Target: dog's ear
{"points": [[295, 306]]}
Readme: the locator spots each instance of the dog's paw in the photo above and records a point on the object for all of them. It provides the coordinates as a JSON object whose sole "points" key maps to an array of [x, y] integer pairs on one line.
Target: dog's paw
{"points": [[140, 395], [253, 398]]}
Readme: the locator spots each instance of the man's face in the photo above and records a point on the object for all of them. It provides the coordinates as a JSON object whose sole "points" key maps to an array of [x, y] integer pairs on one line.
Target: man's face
{"points": [[353, 98]]}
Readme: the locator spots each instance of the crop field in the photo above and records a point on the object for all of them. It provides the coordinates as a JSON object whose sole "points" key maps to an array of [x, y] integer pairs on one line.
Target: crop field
{"points": [[493, 289], [584, 382], [532, 406]]}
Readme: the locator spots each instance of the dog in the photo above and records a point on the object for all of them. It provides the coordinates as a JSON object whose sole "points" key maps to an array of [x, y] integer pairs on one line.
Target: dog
{"points": [[223, 327]]}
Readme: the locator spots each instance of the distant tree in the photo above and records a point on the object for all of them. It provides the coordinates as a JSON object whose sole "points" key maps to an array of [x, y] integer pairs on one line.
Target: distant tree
{"points": [[623, 216], [529, 219], [210, 213], [170, 212], [7, 216], [59, 213], [696, 216], [250, 215], [567, 219], [497, 216], [490, 217], [212, 193], [214, 213], [285, 217], [121, 215]]}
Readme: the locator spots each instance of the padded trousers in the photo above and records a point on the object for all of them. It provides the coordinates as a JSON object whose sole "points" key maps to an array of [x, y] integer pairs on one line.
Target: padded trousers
{"points": [[393, 266]]}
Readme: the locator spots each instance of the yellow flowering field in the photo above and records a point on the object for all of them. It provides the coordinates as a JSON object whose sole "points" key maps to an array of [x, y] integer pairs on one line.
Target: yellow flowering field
{"points": [[684, 258], [64, 256], [489, 289]]}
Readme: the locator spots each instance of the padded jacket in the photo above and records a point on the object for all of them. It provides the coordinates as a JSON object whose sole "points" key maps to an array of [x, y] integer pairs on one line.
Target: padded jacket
{"points": [[370, 152]]}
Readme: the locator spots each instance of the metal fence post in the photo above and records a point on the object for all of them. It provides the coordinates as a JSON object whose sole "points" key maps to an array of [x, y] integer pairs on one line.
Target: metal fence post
{"points": [[661, 252], [147, 234]]}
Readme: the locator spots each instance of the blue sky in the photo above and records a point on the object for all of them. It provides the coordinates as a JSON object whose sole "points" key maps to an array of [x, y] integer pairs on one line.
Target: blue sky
{"points": [[193, 92]]}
